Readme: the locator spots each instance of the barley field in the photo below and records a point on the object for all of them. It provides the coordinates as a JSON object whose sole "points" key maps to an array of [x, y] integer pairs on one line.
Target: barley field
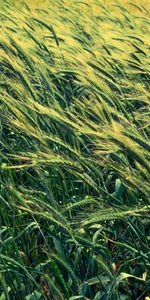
{"points": [[74, 150]]}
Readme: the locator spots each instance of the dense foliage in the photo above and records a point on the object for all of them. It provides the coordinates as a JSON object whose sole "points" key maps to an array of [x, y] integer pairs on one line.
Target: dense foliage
{"points": [[74, 150]]}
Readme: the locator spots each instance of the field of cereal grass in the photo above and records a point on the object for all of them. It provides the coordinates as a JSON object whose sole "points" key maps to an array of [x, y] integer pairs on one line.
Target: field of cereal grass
{"points": [[74, 150]]}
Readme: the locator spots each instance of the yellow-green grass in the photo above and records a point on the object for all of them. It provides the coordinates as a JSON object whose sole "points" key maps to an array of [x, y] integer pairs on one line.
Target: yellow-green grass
{"points": [[74, 102]]}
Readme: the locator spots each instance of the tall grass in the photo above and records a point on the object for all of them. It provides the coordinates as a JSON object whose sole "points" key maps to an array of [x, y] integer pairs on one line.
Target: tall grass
{"points": [[74, 174]]}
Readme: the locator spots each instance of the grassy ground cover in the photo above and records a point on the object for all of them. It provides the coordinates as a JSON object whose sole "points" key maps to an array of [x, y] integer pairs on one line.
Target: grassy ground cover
{"points": [[74, 150]]}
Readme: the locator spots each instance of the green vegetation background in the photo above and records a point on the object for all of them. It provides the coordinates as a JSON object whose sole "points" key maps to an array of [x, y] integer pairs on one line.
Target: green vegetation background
{"points": [[74, 150]]}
